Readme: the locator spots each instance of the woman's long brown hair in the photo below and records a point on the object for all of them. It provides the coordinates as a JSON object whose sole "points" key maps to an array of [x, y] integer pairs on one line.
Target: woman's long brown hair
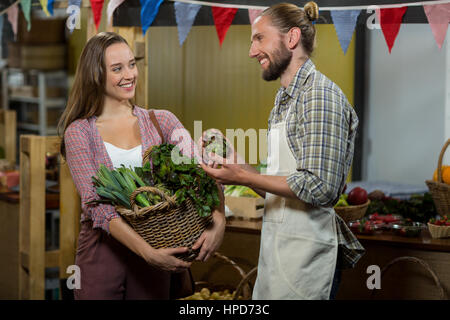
{"points": [[86, 97]]}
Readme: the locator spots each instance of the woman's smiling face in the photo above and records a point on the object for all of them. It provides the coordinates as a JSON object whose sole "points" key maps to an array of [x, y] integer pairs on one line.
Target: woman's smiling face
{"points": [[121, 72]]}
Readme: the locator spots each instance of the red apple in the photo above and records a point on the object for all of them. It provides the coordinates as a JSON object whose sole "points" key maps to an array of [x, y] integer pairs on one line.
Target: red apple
{"points": [[357, 196]]}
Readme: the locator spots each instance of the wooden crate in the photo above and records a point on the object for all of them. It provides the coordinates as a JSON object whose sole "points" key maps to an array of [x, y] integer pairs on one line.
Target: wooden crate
{"points": [[245, 207]]}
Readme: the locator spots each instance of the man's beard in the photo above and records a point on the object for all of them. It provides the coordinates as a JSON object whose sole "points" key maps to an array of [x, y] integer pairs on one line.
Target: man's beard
{"points": [[281, 59]]}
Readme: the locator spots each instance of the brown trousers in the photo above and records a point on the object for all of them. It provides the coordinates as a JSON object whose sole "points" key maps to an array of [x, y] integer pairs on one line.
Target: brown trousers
{"points": [[110, 271]]}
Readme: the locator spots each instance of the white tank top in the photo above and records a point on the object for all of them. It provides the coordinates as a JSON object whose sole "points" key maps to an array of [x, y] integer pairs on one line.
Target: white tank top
{"points": [[129, 158]]}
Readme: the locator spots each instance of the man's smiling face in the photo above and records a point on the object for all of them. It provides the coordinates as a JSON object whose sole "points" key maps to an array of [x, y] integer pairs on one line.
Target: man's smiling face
{"points": [[268, 48]]}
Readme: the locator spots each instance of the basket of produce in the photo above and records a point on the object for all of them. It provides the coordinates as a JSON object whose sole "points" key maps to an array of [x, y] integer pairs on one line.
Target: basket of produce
{"points": [[352, 206], [439, 228], [205, 290], [440, 185], [168, 202]]}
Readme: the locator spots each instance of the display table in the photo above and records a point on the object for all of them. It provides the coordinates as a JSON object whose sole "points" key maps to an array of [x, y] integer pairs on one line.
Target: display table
{"points": [[403, 280]]}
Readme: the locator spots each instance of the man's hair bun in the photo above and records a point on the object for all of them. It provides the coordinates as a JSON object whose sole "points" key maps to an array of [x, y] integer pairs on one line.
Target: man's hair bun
{"points": [[311, 10]]}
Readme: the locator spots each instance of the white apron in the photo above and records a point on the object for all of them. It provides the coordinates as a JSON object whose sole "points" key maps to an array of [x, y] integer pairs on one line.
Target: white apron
{"points": [[298, 251]]}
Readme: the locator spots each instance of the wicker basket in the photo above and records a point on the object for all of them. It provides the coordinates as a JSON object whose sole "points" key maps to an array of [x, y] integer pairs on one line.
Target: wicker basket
{"points": [[439, 190], [439, 231], [166, 224], [352, 213]]}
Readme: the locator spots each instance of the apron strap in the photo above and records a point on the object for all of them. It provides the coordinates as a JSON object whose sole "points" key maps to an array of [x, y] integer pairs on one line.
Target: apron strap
{"points": [[156, 124]]}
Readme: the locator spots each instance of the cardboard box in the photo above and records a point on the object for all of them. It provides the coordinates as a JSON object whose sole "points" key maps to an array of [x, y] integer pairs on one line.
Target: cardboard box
{"points": [[245, 207]]}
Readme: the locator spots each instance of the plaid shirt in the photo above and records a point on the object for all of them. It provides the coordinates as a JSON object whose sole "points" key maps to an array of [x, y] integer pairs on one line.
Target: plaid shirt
{"points": [[85, 151], [321, 130]]}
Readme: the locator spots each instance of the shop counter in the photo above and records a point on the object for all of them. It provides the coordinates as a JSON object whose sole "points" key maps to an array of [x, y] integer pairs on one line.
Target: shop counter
{"points": [[405, 279]]}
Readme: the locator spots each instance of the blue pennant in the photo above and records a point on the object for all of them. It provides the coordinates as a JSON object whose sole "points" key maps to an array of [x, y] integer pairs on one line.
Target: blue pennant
{"points": [[185, 14], [344, 23], [149, 10]]}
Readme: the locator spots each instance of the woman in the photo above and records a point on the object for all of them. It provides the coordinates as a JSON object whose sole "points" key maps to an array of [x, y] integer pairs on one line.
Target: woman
{"points": [[101, 126]]}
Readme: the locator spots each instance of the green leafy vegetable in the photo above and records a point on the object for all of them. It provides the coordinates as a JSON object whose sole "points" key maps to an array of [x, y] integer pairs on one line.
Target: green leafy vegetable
{"points": [[183, 177]]}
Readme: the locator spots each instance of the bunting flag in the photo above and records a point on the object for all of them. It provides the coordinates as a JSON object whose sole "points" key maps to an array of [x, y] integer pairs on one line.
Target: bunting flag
{"points": [[185, 14], [97, 7], [390, 21], [253, 14], [149, 10], [344, 23], [26, 8], [47, 6], [74, 15], [438, 17], [44, 4], [13, 16], [112, 6], [223, 17]]}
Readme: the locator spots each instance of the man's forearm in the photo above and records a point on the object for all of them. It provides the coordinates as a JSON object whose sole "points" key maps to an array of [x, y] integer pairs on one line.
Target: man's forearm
{"points": [[252, 169], [272, 184]]}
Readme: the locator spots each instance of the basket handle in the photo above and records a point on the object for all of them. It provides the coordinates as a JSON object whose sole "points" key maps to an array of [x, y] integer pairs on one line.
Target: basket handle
{"points": [[441, 155], [153, 190]]}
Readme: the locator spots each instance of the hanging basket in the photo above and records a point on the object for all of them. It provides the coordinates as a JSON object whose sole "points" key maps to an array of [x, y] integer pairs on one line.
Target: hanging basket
{"points": [[439, 190]]}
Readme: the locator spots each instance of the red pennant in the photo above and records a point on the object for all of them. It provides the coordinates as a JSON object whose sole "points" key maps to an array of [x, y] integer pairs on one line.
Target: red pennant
{"points": [[97, 7], [390, 21], [223, 17]]}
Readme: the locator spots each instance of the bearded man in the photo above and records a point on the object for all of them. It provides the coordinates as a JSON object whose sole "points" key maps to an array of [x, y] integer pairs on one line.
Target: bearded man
{"points": [[312, 128]]}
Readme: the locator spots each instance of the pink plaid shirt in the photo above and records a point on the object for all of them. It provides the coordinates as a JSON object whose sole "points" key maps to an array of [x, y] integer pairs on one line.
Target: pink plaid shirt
{"points": [[85, 151]]}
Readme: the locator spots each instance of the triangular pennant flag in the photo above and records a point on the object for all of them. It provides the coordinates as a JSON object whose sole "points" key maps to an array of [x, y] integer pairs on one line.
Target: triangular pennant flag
{"points": [[74, 16], [185, 14], [223, 17], [97, 7], [390, 21], [50, 6], [44, 4], [26, 8], [112, 6], [344, 22], [438, 17], [13, 16], [253, 14], [149, 10]]}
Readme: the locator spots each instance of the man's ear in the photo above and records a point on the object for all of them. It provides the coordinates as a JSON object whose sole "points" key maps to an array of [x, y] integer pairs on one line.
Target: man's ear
{"points": [[294, 36]]}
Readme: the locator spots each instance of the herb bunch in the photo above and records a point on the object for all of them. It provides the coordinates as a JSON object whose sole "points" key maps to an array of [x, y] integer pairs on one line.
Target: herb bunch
{"points": [[182, 177]]}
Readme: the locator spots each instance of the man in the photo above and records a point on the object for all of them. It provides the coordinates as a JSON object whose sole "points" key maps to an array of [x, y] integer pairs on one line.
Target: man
{"points": [[310, 149]]}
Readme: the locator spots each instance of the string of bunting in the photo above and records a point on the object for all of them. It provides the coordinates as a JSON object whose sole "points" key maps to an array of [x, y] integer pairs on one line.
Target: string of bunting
{"points": [[388, 16]]}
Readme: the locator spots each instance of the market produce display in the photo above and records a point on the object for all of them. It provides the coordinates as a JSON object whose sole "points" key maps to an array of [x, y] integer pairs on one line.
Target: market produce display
{"points": [[206, 294], [240, 191], [182, 180], [419, 208]]}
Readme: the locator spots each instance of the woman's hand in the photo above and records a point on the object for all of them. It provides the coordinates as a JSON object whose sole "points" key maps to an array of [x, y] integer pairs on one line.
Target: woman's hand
{"points": [[165, 259], [211, 238]]}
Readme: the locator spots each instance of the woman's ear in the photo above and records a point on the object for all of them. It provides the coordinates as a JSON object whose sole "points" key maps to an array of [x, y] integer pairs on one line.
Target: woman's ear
{"points": [[294, 36]]}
